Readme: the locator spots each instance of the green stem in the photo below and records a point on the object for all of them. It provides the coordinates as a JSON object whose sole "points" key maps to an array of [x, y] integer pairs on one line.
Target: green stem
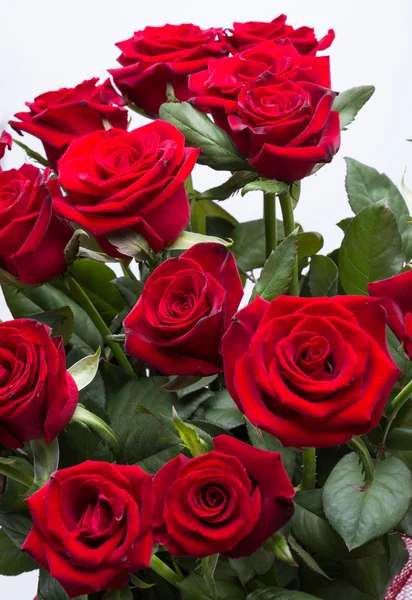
{"points": [[361, 450], [269, 213], [159, 567], [309, 469], [84, 301], [394, 407], [286, 206]]}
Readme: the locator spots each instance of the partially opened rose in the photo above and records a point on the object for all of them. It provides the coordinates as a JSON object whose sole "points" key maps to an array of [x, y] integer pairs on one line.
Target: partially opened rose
{"points": [[32, 236], [310, 371], [118, 180], [59, 117], [38, 396], [92, 526], [395, 294], [284, 128], [246, 35], [228, 501], [183, 311], [156, 56]]}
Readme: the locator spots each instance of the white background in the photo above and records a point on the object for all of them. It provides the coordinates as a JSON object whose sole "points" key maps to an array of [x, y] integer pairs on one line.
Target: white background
{"points": [[47, 44]]}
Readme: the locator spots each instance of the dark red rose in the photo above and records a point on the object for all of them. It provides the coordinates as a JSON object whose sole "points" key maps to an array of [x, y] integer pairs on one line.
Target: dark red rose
{"points": [[395, 294], [185, 307], [245, 35], [228, 501], [160, 55], [32, 236], [92, 526], [59, 117], [284, 128], [310, 371], [224, 78], [5, 142], [38, 395], [117, 180]]}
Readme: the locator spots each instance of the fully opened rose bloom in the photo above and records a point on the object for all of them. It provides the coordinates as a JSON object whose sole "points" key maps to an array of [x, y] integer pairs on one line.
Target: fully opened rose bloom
{"points": [[32, 236], [160, 55], [59, 117], [395, 294], [92, 526], [310, 371], [228, 501], [117, 180], [38, 395], [284, 128], [183, 311], [245, 35]]}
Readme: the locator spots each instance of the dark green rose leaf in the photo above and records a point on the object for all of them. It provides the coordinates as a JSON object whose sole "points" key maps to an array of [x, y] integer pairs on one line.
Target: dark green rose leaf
{"points": [[277, 270], [349, 103], [323, 276]]}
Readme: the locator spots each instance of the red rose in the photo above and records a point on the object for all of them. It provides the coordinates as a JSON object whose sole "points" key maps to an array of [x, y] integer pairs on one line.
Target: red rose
{"points": [[310, 371], [245, 35], [92, 526], [32, 237], [284, 128], [5, 142], [228, 501], [37, 395], [185, 307], [160, 55], [59, 117], [135, 179], [395, 294]]}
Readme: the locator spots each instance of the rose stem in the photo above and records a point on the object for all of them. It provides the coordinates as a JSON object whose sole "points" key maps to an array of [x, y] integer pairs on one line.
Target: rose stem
{"points": [[309, 469], [269, 213], [286, 206], [395, 406], [159, 567], [84, 301], [361, 450]]}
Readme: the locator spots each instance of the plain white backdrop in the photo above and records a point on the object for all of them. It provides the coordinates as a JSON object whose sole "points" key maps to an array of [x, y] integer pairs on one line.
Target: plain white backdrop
{"points": [[49, 44]]}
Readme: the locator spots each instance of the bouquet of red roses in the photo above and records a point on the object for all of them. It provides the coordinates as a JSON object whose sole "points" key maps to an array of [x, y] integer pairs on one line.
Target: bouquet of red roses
{"points": [[223, 415]]}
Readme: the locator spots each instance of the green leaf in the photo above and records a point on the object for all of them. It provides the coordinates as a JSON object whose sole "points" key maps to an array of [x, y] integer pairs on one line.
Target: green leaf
{"points": [[344, 223], [218, 150], [71, 251], [400, 434], [50, 589], [32, 154], [267, 186], [314, 532], [371, 249], [277, 270], [35, 300], [12, 498], [406, 524], [201, 211], [365, 186], [84, 371], [128, 289], [176, 384], [359, 516], [306, 557], [258, 563], [309, 243], [16, 526], [187, 239], [139, 583], [189, 436], [97, 425], [265, 441], [249, 243], [229, 187], [123, 594], [194, 587], [130, 243], [144, 439], [349, 103], [7, 279], [222, 410], [323, 276], [46, 460], [369, 574], [275, 593], [96, 279], [398, 554], [339, 590], [60, 320], [12, 561]]}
